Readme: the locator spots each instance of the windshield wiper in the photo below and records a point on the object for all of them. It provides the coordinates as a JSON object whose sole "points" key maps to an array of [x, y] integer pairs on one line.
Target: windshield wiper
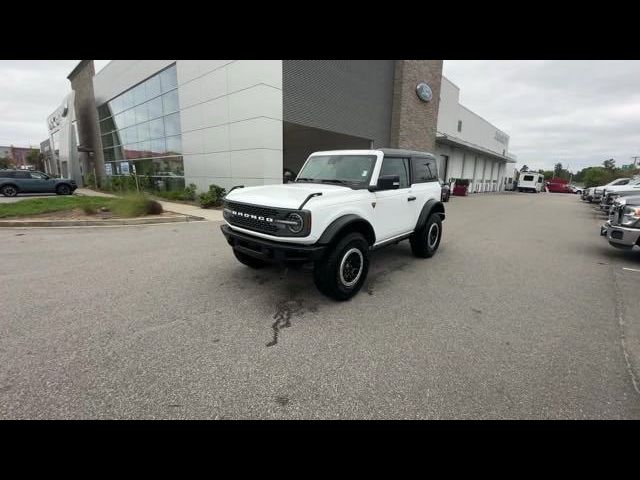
{"points": [[304, 180], [334, 180]]}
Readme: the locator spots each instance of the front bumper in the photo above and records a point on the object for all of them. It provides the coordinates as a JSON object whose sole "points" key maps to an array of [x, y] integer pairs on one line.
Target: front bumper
{"points": [[620, 237], [269, 251]]}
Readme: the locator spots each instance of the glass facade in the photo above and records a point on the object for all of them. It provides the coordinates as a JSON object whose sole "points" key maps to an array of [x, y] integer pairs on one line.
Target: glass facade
{"points": [[141, 132]]}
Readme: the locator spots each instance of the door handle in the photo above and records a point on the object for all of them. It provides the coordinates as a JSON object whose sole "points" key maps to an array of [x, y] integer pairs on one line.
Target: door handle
{"points": [[411, 199]]}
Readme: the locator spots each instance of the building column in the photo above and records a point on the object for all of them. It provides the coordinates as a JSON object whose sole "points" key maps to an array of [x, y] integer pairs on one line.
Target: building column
{"points": [[413, 121]]}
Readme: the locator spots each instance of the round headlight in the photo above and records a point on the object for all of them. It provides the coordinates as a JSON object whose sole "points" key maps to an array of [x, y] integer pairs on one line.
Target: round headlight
{"points": [[298, 225]]}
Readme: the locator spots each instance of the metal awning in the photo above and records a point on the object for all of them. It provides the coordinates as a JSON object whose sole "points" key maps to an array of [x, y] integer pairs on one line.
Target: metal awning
{"points": [[456, 142]]}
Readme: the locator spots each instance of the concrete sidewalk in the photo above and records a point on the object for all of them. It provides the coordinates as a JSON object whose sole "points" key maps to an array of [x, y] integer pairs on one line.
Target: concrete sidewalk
{"points": [[184, 209]]}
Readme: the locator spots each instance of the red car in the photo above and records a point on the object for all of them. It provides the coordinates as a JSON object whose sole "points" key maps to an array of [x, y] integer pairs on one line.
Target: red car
{"points": [[557, 185]]}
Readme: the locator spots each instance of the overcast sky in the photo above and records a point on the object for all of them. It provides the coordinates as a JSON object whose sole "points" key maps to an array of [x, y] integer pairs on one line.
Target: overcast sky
{"points": [[576, 112]]}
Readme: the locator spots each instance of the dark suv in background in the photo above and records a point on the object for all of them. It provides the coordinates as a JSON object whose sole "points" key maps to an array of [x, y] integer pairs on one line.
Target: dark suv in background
{"points": [[13, 182]]}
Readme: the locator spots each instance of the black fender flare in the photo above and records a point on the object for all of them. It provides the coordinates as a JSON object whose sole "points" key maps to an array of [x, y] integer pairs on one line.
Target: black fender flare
{"points": [[429, 207], [335, 228]]}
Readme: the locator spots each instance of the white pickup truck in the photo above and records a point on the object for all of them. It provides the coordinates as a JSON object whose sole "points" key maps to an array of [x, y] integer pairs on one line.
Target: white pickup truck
{"points": [[342, 205]]}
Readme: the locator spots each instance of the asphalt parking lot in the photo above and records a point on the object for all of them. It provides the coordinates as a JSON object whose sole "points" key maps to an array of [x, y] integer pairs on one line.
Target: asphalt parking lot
{"points": [[525, 312]]}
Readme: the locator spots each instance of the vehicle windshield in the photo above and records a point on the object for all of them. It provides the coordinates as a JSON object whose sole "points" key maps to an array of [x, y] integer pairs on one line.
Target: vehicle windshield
{"points": [[351, 170]]}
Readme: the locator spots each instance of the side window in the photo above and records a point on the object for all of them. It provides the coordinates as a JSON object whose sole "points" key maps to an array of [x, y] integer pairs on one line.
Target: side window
{"points": [[396, 166], [424, 169], [539, 179], [37, 175], [23, 175], [622, 182]]}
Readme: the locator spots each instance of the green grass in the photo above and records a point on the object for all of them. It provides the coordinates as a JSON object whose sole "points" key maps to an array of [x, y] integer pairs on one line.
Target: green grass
{"points": [[126, 207]]}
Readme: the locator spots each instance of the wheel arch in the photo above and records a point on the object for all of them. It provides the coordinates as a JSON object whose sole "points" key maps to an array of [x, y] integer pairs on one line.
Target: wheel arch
{"points": [[432, 206], [347, 224]]}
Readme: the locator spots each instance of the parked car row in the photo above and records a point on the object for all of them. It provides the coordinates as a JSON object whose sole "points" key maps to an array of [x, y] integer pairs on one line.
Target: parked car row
{"points": [[620, 201]]}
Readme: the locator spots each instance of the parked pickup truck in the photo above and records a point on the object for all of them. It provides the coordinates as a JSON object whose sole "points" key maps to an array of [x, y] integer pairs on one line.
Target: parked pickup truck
{"points": [[610, 195], [594, 194], [342, 205], [13, 182], [623, 227]]}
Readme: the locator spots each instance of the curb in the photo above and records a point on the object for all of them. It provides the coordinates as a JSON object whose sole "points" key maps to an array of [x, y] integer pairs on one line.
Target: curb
{"points": [[95, 223]]}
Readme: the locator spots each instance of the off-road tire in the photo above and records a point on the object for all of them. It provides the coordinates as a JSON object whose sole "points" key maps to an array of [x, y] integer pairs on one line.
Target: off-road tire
{"points": [[9, 191], [248, 260], [423, 244], [63, 190], [349, 255]]}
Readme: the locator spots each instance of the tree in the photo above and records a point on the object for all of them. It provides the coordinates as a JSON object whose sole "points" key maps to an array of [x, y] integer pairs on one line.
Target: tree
{"points": [[525, 168], [5, 162], [609, 164], [36, 159], [548, 174]]}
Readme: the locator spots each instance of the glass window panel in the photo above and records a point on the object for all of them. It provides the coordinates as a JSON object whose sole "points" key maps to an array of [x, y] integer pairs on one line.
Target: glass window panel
{"points": [[170, 102], [169, 166], [152, 86], [145, 149], [141, 113], [127, 100], [109, 155], [116, 138], [107, 140], [103, 111], [118, 153], [154, 107], [107, 125], [174, 144], [143, 132], [116, 105], [119, 120], [169, 79], [129, 118], [132, 151], [156, 128], [158, 147], [139, 94], [172, 124]]}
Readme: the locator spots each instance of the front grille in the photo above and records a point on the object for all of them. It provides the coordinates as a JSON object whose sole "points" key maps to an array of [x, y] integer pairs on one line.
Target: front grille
{"points": [[252, 209], [252, 223]]}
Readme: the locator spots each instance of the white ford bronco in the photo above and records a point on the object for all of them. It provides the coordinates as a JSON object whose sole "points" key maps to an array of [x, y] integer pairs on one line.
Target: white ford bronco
{"points": [[342, 205]]}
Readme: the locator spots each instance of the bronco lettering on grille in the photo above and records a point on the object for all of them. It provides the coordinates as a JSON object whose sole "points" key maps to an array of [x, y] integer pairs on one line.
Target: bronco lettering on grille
{"points": [[254, 217]]}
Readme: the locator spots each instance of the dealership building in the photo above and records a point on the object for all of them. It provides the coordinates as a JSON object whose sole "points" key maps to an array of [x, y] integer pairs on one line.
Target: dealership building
{"points": [[242, 122]]}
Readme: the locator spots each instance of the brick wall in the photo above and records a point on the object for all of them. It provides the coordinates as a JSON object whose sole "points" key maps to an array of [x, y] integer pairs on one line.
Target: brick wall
{"points": [[414, 122]]}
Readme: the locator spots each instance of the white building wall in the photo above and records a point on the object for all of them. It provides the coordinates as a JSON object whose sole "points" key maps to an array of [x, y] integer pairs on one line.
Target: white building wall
{"points": [[230, 114]]}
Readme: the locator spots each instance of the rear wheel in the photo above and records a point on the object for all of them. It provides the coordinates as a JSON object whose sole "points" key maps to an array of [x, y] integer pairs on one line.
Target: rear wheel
{"points": [[426, 240], [63, 190], [343, 270], [248, 260], [9, 191]]}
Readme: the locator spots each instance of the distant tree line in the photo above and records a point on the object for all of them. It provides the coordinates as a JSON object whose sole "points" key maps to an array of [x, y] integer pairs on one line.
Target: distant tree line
{"points": [[590, 176], [594, 176]]}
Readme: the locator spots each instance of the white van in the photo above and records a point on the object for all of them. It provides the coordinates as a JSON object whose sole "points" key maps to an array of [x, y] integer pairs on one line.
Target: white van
{"points": [[530, 182]]}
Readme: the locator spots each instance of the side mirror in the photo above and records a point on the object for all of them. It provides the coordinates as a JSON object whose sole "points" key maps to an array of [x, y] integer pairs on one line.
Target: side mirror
{"points": [[387, 182]]}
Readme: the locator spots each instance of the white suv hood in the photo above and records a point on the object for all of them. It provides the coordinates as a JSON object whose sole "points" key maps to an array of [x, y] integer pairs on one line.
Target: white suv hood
{"points": [[288, 195]]}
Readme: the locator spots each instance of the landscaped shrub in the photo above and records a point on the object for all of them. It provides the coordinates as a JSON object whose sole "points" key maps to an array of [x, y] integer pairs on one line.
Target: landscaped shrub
{"points": [[89, 209], [213, 197], [136, 206]]}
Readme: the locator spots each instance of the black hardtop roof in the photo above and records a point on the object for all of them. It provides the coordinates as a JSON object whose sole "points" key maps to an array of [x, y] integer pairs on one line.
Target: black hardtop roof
{"points": [[401, 152]]}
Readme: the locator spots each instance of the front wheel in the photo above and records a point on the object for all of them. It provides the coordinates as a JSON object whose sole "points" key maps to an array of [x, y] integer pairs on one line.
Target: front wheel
{"points": [[63, 190], [9, 191], [425, 241], [343, 270]]}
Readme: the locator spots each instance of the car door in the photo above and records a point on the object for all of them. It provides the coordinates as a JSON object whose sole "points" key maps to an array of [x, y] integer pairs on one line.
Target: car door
{"points": [[392, 213], [40, 183], [425, 183], [23, 181]]}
